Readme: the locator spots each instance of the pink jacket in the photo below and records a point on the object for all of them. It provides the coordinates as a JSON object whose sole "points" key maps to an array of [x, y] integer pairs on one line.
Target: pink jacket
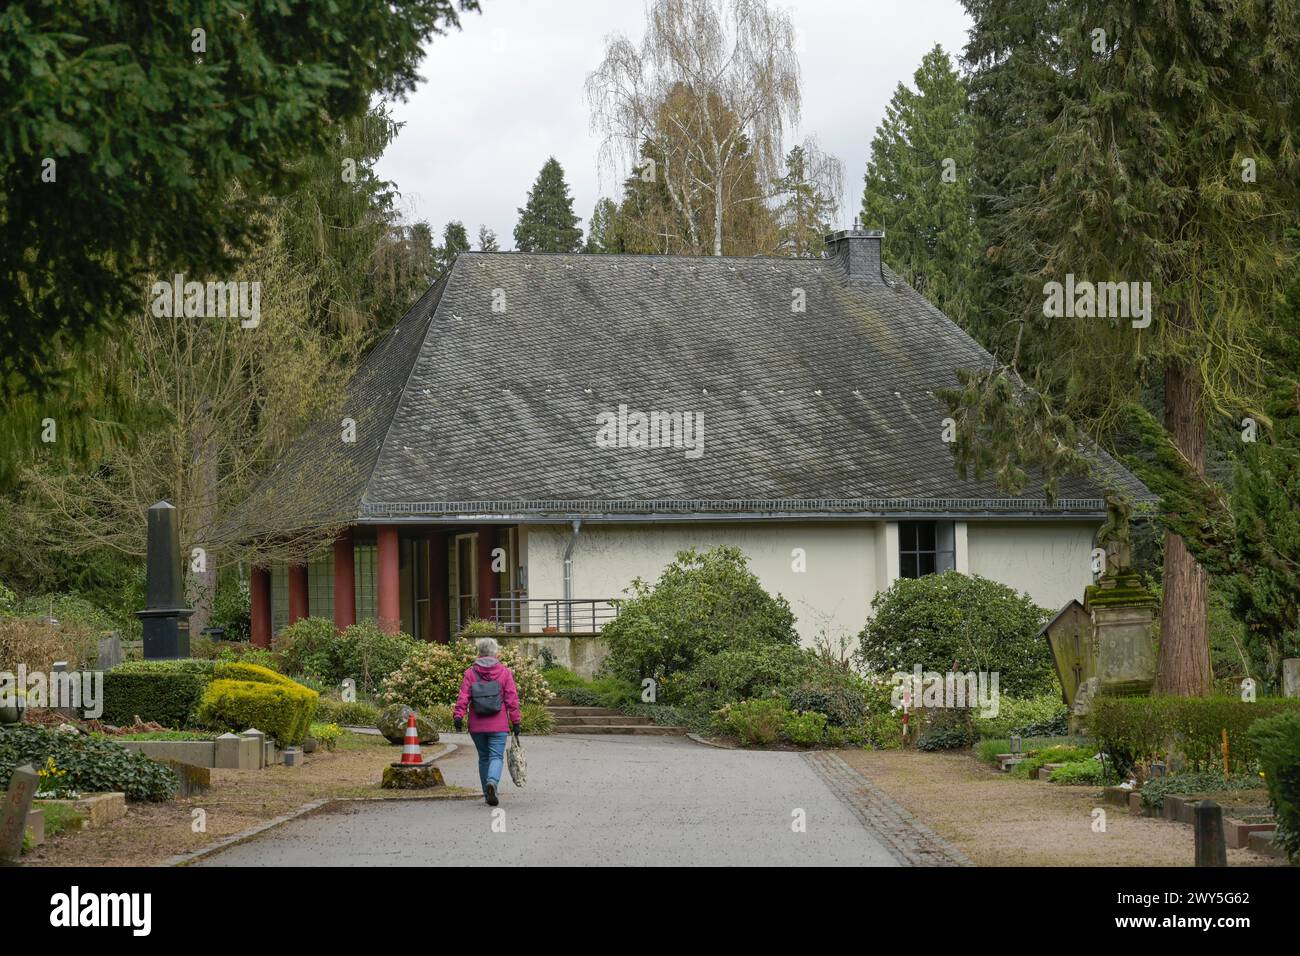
{"points": [[489, 668]]}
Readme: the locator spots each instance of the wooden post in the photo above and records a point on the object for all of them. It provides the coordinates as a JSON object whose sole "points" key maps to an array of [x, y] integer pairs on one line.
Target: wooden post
{"points": [[1225, 751], [13, 814], [1211, 850]]}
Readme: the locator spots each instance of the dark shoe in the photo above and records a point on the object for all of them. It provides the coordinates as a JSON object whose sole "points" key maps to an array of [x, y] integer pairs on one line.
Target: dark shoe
{"points": [[492, 795]]}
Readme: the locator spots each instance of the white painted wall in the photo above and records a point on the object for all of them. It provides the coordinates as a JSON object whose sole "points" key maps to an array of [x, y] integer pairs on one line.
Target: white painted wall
{"points": [[1052, 561], [838, 584], [847, 562]]}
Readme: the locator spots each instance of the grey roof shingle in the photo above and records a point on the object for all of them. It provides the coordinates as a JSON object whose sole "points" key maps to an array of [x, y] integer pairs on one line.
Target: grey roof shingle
{"points": [[464, 409]]}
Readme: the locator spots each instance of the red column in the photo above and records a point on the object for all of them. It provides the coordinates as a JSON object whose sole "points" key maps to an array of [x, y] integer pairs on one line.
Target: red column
{"points": [[487, 578], [389, 584], [259, 593], [439, 596], [345, 589], [298, 608]]}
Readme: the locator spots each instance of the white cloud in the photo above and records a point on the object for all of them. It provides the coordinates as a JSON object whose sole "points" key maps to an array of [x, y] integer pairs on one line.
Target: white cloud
{"points": [[506, 92]]}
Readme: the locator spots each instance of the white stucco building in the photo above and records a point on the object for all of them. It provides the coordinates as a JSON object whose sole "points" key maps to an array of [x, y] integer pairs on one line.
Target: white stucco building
{"points": [[539, 430]]}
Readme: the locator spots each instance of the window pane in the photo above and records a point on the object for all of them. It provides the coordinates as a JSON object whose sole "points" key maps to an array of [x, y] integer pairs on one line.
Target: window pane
{"points": [[925, 562], [907, 565], [944, 532], [945, 561], [925, 536]]}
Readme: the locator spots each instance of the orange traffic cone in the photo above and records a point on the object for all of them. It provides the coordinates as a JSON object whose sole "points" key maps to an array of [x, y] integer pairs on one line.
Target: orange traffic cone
{"points": [[411, 746]]}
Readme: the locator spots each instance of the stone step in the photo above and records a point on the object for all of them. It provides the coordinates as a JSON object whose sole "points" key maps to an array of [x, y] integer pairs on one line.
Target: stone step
{"points": [[602, 719], [653, 730], [584, 711]]}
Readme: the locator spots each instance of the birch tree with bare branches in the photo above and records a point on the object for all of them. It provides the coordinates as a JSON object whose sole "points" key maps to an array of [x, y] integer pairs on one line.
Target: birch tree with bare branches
{"points": [[710, 81]]}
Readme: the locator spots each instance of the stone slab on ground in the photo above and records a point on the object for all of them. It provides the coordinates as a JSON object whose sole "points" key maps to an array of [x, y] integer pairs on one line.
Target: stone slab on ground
{"points": [[99, 809], [36, 825], [1237, 832], [1264, 844]]}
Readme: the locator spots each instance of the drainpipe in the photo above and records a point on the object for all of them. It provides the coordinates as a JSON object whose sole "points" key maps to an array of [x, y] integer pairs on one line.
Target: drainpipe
{"points": [[568, 574]]}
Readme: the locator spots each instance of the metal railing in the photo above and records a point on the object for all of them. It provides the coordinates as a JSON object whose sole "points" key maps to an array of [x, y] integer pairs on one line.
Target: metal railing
{"points": [[537, 615]]}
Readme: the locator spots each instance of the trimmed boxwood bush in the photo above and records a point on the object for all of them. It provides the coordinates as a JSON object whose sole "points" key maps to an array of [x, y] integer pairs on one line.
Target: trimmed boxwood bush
{"points": [[167, 692], [944, 620], [1133, 729], [93, 764], [1277, 740], [246, 695]]}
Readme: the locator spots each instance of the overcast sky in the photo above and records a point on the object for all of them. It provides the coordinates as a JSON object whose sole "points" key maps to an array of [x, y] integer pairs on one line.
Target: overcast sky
{"points": [[506, 92]]}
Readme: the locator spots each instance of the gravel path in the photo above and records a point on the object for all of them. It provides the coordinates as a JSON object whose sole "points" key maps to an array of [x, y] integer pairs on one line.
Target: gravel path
{"points": [[600, 801]]}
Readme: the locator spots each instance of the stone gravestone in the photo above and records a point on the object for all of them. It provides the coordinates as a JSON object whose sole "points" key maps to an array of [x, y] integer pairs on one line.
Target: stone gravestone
{"points": [[60, 691], [166, 621], [1291, 677], [110, 651], [13, 815]]}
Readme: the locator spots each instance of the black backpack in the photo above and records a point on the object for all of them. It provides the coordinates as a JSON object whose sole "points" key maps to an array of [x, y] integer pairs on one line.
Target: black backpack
{"points": [[486, 696]]}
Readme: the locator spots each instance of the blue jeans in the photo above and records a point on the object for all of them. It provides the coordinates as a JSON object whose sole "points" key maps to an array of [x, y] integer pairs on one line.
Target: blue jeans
{"points": [[491, 755]]}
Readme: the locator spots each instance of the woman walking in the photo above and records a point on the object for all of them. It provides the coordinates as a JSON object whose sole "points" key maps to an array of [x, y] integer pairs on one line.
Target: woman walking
{"points": [[488, 693]]}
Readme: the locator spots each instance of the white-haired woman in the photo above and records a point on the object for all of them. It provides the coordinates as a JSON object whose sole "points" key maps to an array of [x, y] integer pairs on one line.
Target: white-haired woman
{"points": [[488, 693]]}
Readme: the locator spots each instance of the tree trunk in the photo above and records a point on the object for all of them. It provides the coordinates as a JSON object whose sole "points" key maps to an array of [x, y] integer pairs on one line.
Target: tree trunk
{"points": [[1184, 668], [202, 581]]}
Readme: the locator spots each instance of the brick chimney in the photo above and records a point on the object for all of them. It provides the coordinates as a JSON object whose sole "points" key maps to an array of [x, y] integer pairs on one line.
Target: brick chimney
{"points": [[858, 253]]}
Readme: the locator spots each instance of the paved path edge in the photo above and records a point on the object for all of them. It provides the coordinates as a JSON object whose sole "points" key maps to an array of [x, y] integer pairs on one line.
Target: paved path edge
{"points": [[908, 840], [225, 843]]}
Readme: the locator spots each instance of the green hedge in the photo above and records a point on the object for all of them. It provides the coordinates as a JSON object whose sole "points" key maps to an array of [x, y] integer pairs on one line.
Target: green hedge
{"points": [[246, 695], [167, 692], [1277, 739], [93, 764], [1133, 729]]}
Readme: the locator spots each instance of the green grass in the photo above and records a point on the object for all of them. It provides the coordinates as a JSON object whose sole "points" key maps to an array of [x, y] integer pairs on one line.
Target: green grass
{"points": [[987, 750], [60, 818], [351, 741], [1028, 768], [167, 735]]}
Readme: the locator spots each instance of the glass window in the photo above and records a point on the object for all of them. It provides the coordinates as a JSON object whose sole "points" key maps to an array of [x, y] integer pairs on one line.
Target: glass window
{"points": [[320, 586], [364, 557], [926, 547]]}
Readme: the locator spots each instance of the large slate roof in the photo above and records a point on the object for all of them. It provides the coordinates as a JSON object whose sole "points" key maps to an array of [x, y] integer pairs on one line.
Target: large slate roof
{"points": [[465, 411]]}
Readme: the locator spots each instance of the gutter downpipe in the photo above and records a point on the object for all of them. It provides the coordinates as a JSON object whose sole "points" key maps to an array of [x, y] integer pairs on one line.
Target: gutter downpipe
{"points": [[568, 574]]}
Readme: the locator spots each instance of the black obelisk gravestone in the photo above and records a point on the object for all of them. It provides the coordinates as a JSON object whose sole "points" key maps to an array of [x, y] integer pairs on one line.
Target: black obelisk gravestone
{"points": [[166, 621]]}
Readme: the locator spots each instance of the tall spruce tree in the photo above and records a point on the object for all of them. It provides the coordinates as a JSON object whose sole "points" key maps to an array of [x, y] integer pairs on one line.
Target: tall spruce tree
{"points": [[455, 240], [547, 222], [1147, 143], [809, 193], [918, 186], [141, 138], [602, 230]]}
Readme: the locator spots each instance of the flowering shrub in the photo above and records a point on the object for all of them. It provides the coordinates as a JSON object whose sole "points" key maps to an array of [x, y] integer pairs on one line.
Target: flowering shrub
{"points": [[432, 674], [758, 722]]}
